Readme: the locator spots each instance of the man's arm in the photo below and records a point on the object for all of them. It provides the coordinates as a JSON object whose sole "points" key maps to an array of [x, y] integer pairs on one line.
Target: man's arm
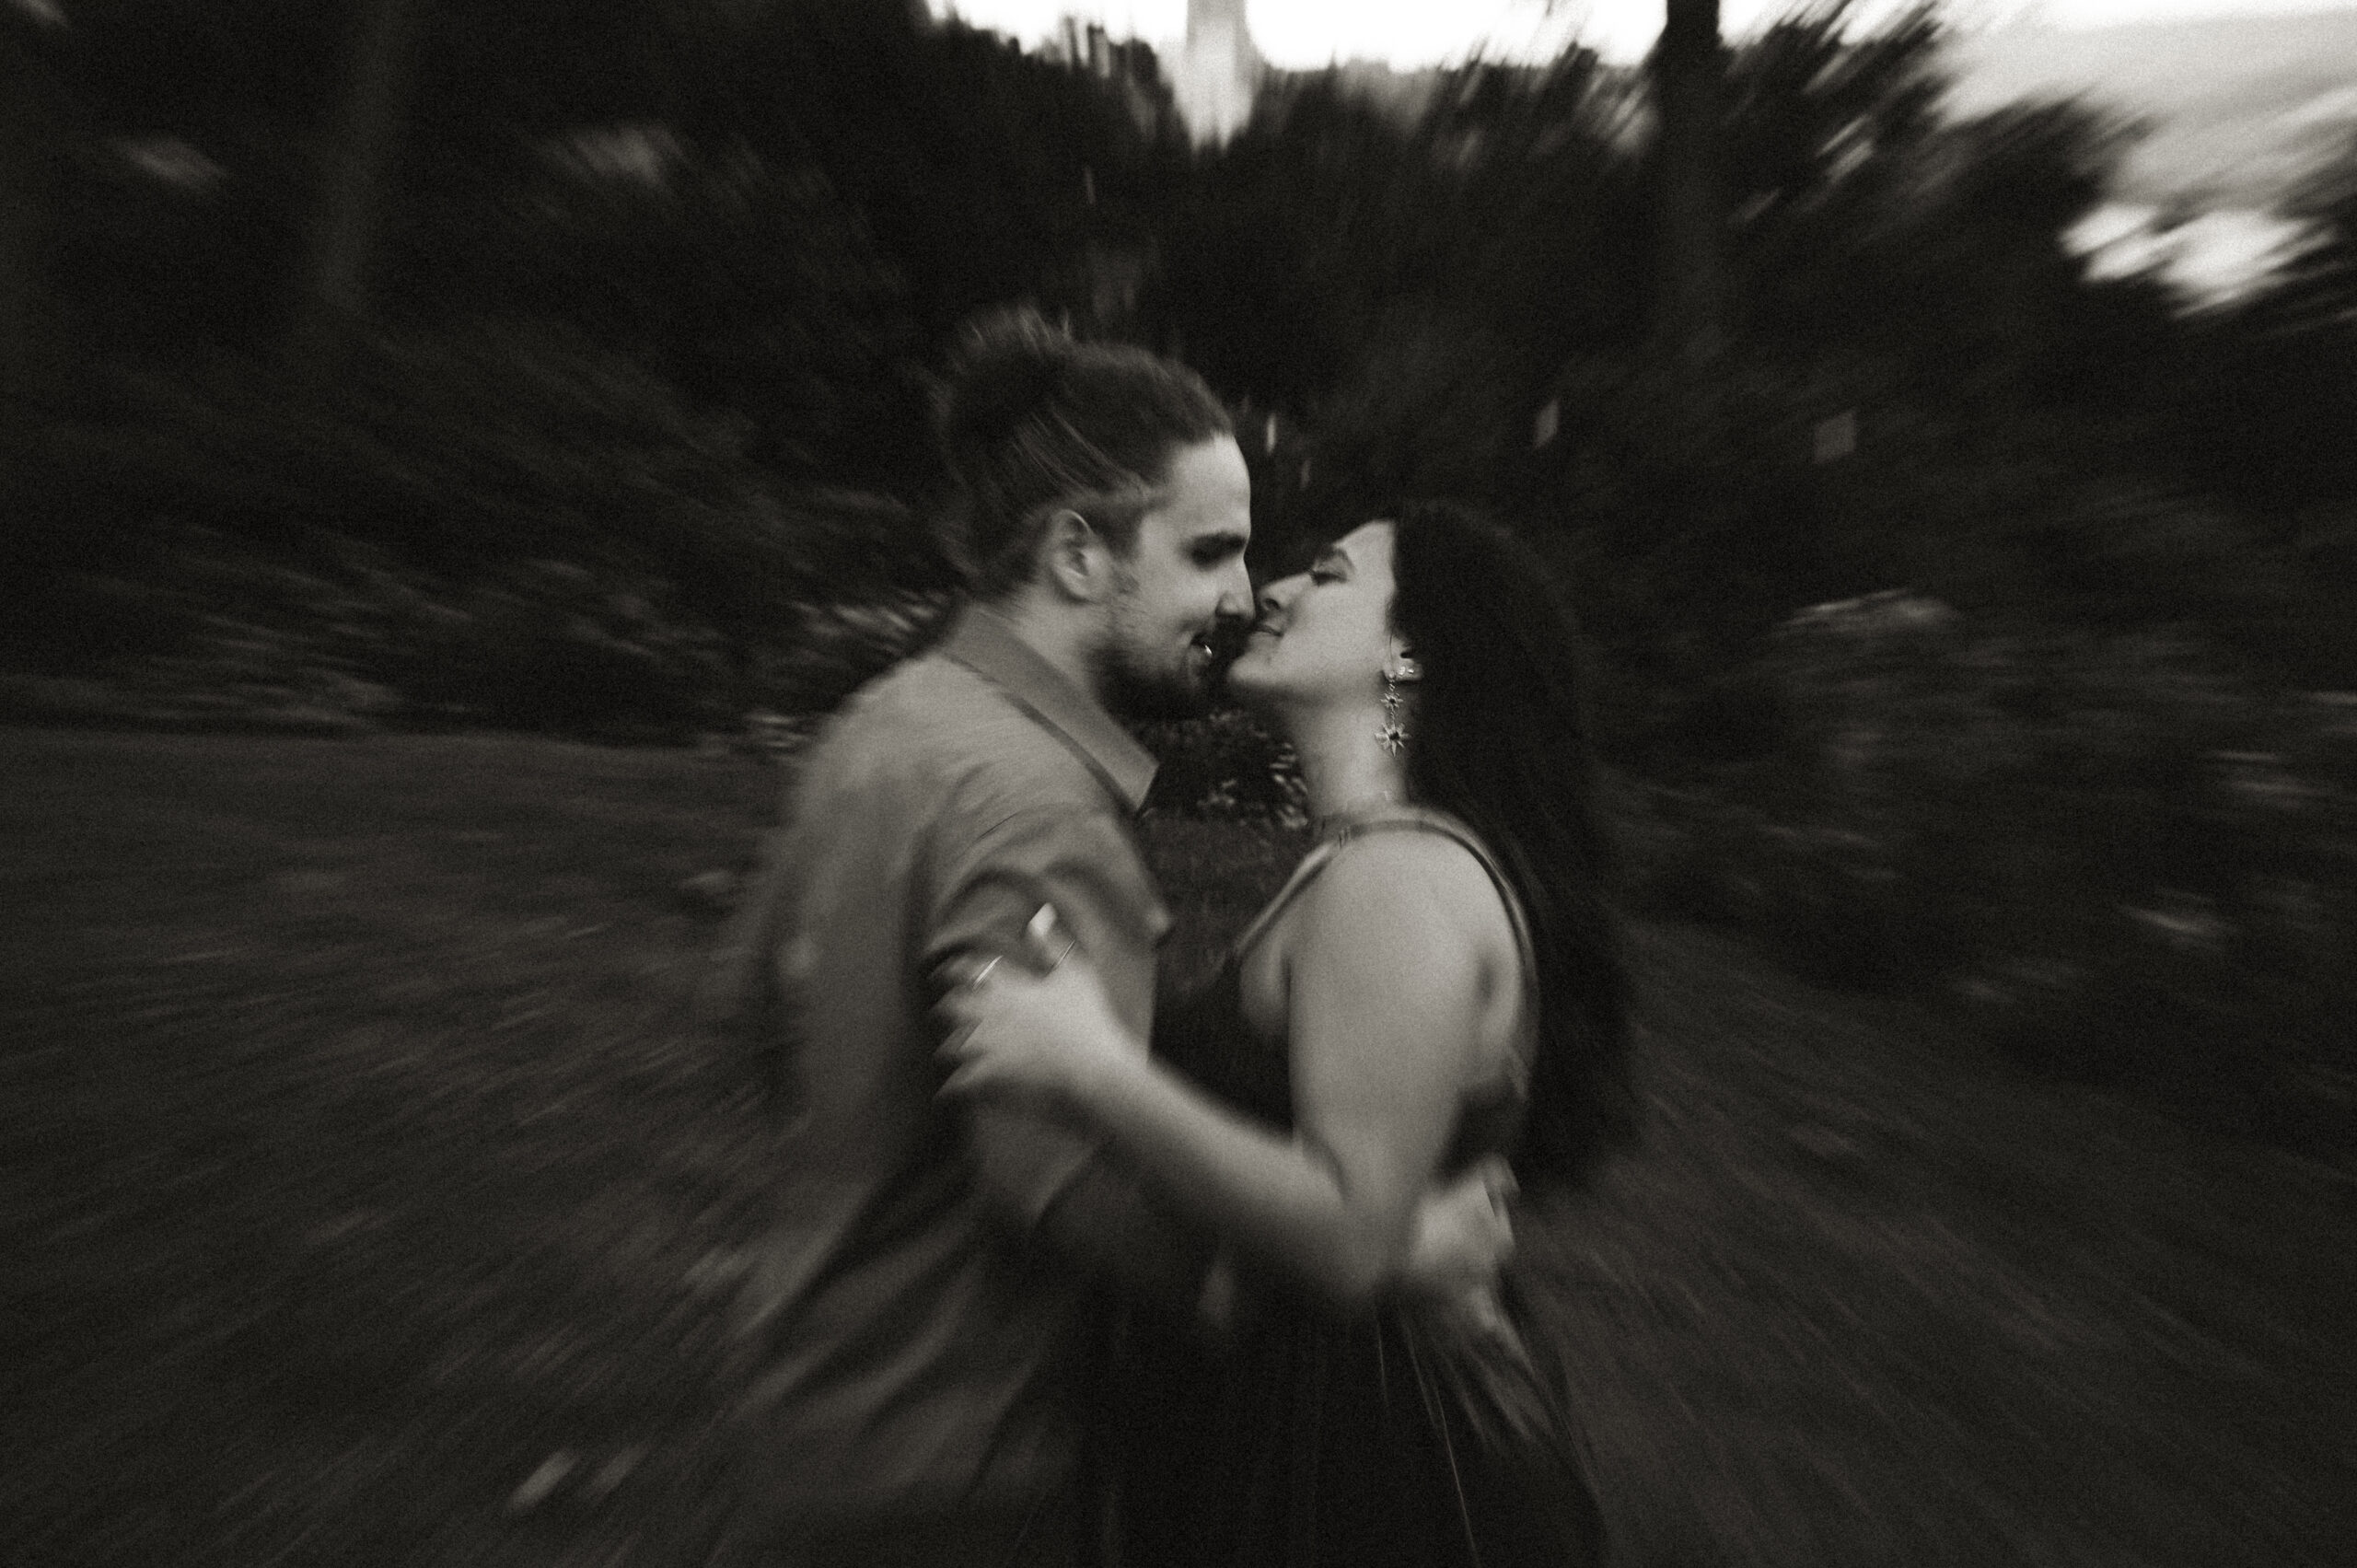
{"points": [[1048, 1177], [1068, 1187]]}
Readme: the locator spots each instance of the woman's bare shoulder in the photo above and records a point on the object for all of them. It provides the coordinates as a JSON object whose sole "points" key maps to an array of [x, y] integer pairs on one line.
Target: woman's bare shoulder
{"points": [[1420, 887]]}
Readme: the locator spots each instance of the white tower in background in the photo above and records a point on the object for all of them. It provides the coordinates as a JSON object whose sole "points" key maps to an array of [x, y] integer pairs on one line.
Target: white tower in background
{"points": [[1217, 71]]}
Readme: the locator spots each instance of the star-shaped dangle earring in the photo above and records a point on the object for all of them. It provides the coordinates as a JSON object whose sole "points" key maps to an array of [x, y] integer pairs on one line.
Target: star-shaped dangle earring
{"points": [[1393, 735]]}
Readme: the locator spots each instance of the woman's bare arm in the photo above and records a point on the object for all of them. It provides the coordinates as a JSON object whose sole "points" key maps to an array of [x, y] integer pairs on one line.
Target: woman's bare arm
{"points": [[1388, 960]]}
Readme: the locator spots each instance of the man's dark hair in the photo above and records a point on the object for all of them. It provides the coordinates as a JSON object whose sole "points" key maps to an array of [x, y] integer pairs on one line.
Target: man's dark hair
{"points": [[1031, 421], [1500, 739]]}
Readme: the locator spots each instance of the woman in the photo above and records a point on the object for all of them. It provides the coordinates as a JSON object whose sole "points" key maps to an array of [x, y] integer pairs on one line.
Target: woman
{"points": [[1435, 984]]}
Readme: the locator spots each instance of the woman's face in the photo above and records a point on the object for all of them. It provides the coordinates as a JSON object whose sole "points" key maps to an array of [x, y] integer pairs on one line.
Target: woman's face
{"points": [[1325, 635]]}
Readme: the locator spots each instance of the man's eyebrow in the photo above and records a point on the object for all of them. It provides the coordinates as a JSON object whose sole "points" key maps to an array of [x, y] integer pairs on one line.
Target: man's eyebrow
{"points": [[1227, 540]]}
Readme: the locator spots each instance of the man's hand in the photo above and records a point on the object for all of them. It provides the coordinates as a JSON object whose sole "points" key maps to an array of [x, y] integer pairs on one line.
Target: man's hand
{"points": [[1463, 1235], [1216, 1306]]}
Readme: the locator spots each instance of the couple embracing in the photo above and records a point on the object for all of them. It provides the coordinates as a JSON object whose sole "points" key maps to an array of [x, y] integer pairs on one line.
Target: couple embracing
{"points": [[1059, 1277]]}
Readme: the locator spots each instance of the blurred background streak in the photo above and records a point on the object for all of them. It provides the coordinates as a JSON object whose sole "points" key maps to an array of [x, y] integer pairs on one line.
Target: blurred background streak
{"points": [[450, 450]]}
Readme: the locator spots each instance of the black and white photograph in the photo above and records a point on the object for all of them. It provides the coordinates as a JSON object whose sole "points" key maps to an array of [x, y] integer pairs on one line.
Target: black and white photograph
{"points": [[1178, 784]]}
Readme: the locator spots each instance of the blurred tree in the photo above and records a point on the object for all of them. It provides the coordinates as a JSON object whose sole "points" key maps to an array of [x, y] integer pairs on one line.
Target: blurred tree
{"points": [[783, 203], [2009, 187], [1432, 407], [32, 115], [179, 222], [1823, 131], [747, 284], [2263, 396], [1289, 241], [1688, 69], [1503, 196], [775, 209], [348, 209], [981, 170], [2322, 281]]}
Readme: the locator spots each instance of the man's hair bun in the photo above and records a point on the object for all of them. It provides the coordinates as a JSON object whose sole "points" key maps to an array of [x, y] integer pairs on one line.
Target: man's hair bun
{"points": [[1009, 367]]}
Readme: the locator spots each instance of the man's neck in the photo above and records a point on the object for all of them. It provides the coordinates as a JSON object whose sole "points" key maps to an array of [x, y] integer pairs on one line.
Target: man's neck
{"points": [[1052, 631]]}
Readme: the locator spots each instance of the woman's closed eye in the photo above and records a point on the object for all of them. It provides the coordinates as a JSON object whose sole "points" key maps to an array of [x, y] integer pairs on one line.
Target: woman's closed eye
{"points": [[1330, 566]]}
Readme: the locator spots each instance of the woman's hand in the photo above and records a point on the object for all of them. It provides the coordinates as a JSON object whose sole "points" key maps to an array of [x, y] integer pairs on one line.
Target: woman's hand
{"points": [[1463, 1235], [1053, 1037]]}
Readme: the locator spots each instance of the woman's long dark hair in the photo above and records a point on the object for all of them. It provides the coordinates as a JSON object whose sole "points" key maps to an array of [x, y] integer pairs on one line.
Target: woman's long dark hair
{"points": [[1499, 738]]}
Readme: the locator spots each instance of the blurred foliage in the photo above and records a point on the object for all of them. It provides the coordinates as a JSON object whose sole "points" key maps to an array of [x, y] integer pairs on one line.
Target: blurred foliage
{"points": [[515, 529], [628, 439], [2135, 857], [1225, 767]]}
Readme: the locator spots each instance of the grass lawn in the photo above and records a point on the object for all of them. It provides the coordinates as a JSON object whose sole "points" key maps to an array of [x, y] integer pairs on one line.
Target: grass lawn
{"points": [[367, 1198]]}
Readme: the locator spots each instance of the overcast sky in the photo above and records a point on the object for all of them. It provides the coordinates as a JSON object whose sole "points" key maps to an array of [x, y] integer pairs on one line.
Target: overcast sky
{"points": [[1299, 33]]}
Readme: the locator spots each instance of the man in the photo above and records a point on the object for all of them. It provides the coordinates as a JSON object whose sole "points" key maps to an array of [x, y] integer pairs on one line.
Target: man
{"points": [[924, 1324]]}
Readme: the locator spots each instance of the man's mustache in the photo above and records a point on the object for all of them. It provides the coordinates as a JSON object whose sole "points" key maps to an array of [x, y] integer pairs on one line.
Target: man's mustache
{"points": [[1226, 639]]}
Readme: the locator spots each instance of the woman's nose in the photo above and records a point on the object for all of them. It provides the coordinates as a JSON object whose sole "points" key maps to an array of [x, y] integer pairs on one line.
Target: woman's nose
{"points": [[1278, 594]]}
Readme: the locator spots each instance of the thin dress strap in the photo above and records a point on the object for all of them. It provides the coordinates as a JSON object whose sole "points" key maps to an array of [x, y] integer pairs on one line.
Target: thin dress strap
{"points": [[1303, 875], [1424, 820]]}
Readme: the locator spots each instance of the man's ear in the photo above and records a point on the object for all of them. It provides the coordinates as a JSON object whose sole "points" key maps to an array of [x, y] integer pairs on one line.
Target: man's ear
{"points": [[1076, 559]]}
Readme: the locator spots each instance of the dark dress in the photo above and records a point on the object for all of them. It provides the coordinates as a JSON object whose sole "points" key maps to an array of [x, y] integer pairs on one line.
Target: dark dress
{"points": [[1406, 1436]]}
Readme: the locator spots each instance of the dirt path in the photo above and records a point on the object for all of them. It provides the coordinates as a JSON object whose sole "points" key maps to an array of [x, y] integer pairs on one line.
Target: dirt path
{"points": [[367, 1198]]}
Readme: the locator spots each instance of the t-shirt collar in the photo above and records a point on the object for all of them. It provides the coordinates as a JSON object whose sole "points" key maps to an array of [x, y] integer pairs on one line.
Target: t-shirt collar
{"points": [[984, 641]]}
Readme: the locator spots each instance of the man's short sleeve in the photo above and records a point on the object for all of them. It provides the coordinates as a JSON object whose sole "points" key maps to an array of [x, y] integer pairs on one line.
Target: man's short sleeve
{"points": [[984, 892]]}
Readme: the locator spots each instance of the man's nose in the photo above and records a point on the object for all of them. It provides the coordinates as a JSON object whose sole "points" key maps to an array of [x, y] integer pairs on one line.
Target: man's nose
{"points": [[1236, 594]]}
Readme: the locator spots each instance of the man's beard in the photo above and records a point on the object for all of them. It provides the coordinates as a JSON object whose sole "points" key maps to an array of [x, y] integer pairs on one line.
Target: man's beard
{"points": [[1132, 689], [1144, 695]]}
